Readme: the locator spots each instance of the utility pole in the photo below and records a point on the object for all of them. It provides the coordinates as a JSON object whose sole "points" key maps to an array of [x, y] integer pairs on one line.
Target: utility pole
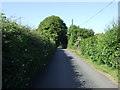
{"points": [[72, 21]]}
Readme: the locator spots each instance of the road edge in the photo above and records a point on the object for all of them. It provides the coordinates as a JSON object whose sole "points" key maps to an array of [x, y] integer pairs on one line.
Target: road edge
{"points": [[106, 74]]}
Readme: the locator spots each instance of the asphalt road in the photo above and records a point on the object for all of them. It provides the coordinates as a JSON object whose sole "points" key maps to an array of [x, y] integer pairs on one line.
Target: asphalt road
{"points": [[67, 70]]}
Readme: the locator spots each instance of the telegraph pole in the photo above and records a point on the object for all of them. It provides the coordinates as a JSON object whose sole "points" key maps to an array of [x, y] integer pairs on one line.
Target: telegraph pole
{"points": [[72, 21]]}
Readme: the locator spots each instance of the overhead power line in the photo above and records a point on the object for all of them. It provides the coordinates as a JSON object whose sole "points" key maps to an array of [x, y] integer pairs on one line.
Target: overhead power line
{"points": [[97, 13]]}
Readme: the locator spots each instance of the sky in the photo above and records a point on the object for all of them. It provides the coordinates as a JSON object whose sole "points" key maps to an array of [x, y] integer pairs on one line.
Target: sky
{"points": [[32, 13]]}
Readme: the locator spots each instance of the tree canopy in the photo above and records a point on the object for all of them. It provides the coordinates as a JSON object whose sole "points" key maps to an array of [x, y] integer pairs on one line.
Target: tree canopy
{"points": [[56, 29], [75, 33]]}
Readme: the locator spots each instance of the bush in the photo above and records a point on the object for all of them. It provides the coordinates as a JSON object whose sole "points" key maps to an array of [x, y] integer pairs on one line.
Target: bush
{"points": [[75, 34], [24, 52], [101, 48]]}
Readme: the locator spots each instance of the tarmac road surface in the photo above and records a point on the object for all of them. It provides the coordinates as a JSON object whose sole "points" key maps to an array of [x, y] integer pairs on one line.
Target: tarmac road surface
{"points": [[67, 70]]}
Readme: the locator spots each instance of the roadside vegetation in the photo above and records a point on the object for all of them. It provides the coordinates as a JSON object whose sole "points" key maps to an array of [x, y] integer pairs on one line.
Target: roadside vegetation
{"points": [[102, 50], [25, 51]]}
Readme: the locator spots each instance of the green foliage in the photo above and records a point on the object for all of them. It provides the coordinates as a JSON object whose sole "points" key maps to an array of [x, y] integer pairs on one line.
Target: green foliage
{"points": [[75, 34], [56, 29], [24, 52], [100, 48]]}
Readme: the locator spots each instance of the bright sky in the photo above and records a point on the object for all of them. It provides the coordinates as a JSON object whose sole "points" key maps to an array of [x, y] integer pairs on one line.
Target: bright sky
{"points": [[32, 13]]}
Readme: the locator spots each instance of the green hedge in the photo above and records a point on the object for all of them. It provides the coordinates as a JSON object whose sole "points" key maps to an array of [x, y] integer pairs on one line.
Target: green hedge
{"points": [[101, 48], [24, 51], [76, 33]]}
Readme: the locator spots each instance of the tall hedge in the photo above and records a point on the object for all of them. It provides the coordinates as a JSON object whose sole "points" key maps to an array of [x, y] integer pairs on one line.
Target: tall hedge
{"points": [[24, 52], [102, 48]]}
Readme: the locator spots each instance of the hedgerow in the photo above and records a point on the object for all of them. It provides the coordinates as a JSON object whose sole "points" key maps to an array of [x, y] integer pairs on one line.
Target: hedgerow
{"points": [[101, 48], [24, 52], [75, 34]]}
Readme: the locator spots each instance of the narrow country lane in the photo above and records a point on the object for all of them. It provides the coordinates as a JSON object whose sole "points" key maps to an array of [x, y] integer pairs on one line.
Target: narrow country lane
{"points": [[67, 70]]}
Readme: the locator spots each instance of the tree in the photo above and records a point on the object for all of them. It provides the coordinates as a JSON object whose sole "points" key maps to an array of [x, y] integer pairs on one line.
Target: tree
{"points": [[75, 33], [56, 29]]}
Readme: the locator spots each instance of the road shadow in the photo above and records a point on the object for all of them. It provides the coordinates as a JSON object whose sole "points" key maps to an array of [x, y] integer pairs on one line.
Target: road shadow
{"points": [[58, 73]]}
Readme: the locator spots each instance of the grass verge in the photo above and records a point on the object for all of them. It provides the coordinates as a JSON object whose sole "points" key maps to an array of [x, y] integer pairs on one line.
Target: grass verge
{"points": [[104, 69]]}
